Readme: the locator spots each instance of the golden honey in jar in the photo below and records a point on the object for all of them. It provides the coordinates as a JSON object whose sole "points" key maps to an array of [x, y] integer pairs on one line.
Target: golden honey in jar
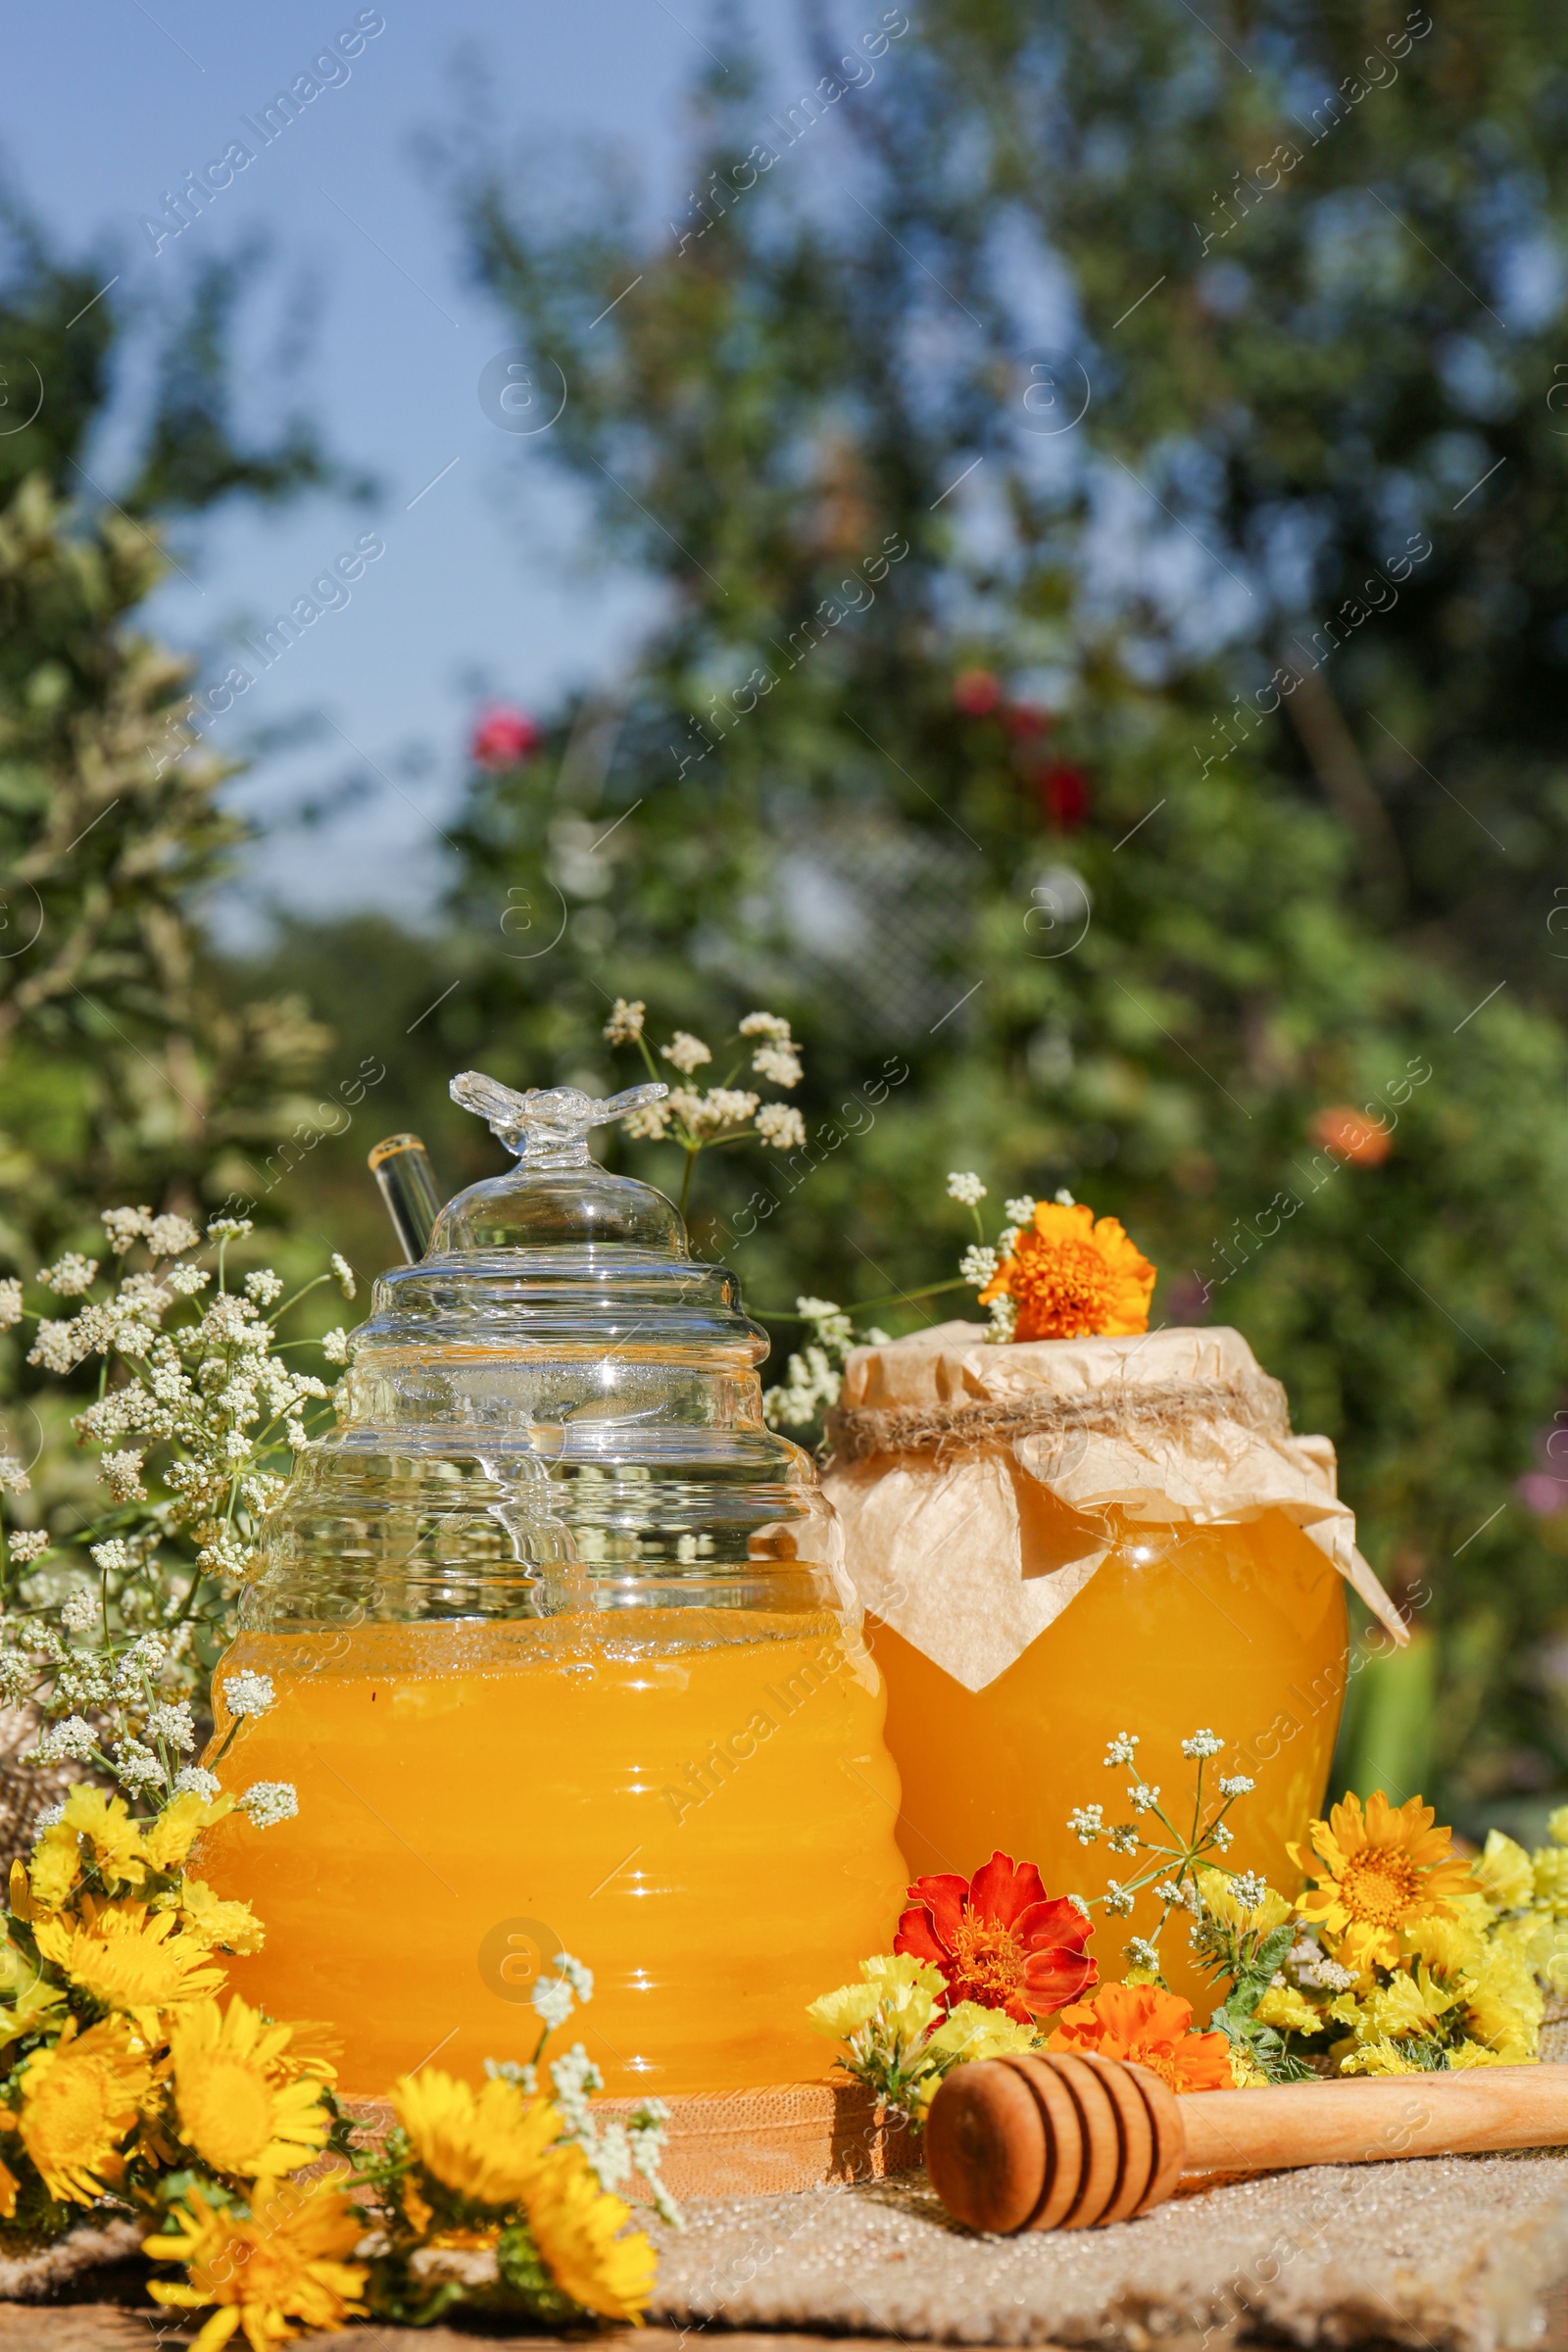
{"points": [[1060, 1543], [561, 1661]]}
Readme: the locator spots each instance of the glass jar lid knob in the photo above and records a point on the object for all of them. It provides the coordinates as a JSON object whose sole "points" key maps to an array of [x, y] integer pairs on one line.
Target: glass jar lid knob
{"points": [[548, 1126]]}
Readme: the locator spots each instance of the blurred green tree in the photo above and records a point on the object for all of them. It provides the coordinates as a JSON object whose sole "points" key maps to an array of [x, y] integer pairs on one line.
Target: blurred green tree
{"points": [[910, 757], [126, 1071]]}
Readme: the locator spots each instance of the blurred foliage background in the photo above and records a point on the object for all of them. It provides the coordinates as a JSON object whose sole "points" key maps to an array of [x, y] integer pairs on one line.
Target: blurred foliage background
{"points": [[1113, 542]]}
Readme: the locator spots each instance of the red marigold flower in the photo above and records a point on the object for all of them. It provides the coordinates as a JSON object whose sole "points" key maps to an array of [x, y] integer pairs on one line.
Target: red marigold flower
{"points": [[999, 1939], [502, 737], [976, 692]]}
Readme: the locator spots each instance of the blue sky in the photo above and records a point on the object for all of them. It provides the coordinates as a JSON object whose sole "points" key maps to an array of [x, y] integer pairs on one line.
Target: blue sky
{"points": [[488, 583]]}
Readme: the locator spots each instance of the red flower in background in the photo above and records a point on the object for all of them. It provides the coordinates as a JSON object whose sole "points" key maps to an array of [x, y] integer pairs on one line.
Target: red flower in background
{"points": [[999, 1939], [1063, 795], [976, 692], [1028, 719], [502, 738]]}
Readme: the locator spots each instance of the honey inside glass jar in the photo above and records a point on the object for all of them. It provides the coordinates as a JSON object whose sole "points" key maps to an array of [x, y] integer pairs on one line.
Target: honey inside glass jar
{"points": [[1240, 1629], [561, 1661]]}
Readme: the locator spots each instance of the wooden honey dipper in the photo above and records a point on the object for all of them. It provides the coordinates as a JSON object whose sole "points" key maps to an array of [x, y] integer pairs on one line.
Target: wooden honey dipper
{"points": [[1040, 2143]]}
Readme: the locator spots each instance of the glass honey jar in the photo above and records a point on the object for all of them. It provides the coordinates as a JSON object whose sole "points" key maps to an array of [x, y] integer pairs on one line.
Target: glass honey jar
{"points": [[563, 1660], [1061, 1542]]}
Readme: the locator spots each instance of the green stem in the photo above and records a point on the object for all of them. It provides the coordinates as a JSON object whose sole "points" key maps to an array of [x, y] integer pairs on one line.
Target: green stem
{"points": [[691, 1150]]}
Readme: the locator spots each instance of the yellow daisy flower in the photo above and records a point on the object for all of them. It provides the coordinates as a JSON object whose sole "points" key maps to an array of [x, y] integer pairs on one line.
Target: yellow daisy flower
{"points": [[79, 2098], [488, 2145], [236, 2107], [1376, 1872], [214, 1920], [168, 1840], [126, 1960], [282, 2263], [575, 2225], [1072, 1274]]}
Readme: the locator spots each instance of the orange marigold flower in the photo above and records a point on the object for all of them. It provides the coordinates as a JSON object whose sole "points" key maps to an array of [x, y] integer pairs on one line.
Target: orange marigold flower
{"points": [[999, 1938], [1378, 1871], [1073, 1276], [1349, 1136], [1143, 2022]]}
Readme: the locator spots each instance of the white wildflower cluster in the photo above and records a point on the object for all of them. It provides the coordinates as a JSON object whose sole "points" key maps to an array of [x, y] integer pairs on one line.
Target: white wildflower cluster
{"points": [[192, 1422], [1170, 1858], [246, 1692], [978, 1264], [1237, 1784], [625, 1023], [268, 1803], [966, 1185], [1020, 1211], [343, 1274], [1308, 1963], [693, 1117], [615, 2149], [814, 1378]]}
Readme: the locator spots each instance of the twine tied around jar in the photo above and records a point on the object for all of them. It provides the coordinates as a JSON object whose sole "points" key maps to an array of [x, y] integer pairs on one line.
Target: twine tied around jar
{"points": [[1172, 1412]]}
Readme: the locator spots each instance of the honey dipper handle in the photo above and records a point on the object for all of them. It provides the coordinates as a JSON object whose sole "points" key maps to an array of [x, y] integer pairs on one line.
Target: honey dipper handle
{"points": [[1371, 2118]]}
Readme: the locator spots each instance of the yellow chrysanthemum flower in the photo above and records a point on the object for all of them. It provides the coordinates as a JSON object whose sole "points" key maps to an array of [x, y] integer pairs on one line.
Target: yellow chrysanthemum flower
{"points": [[168, 1840], [892, 1970], [128, 1960], [1218, 1892], [1450, 1947], [236, 2106], [1410, 2003], [1501, 1871], [52, 1870], [840, 2014], [1379, 2058], [104, 1820], [216, 1921], [576, 2227], [969, 2032], [1376, 1872], [489, 2145], [1288, 2011], [283, 2263], [79, 2098], [1071, 1274], [1549, 1874], [1504, 2004]]}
